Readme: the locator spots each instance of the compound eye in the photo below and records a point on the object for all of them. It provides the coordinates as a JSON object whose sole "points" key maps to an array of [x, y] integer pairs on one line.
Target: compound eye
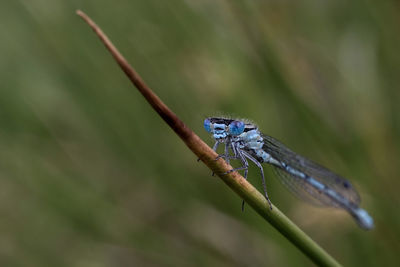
{"points": [[236, 127], [207, 125]]}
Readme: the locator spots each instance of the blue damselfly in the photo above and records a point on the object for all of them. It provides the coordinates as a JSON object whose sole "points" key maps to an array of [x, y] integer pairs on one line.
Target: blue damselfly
{"points": [[301, 176]]}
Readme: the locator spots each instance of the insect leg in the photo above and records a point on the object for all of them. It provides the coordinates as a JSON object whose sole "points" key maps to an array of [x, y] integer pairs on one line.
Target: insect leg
{"points": [[247, 155]]}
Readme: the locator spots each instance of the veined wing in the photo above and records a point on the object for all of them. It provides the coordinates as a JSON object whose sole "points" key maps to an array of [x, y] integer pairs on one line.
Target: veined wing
{"points": [[298, 185], [303, 190]]}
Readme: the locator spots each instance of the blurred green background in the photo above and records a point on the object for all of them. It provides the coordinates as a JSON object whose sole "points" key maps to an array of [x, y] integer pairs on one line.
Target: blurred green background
{"points": [[91, 176]]}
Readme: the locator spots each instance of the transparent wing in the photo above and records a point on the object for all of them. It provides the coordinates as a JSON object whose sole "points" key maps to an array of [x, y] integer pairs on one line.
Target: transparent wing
{"points": [[301, 188]]}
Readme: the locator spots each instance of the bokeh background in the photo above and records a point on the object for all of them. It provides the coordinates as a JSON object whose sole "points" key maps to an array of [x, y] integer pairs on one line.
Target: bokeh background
{"points": [[91, 176]]}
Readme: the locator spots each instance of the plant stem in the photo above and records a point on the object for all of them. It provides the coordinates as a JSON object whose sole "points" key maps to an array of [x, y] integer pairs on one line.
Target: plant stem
{"points": [[234, 180]]}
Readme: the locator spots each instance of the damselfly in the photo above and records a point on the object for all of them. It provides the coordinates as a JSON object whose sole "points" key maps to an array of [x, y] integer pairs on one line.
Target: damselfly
{"points": [[301, 176]]}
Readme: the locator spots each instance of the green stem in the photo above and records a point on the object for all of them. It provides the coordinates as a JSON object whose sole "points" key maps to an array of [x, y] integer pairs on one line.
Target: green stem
{"points": [[234, 180]]}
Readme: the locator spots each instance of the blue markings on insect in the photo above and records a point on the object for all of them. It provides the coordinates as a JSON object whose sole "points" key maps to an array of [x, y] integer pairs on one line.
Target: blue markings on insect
{"points": [[301, 176]]}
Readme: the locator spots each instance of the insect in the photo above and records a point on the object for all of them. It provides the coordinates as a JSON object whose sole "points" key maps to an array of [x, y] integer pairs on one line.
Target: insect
{"points": [[306, 179]]}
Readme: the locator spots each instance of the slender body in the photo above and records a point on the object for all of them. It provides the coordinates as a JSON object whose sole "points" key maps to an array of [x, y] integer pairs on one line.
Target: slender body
{"points": [[303, 177]]}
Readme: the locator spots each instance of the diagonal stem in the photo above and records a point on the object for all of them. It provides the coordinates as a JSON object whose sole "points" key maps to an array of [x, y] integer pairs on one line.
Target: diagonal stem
{"points": [[234, 180]]}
